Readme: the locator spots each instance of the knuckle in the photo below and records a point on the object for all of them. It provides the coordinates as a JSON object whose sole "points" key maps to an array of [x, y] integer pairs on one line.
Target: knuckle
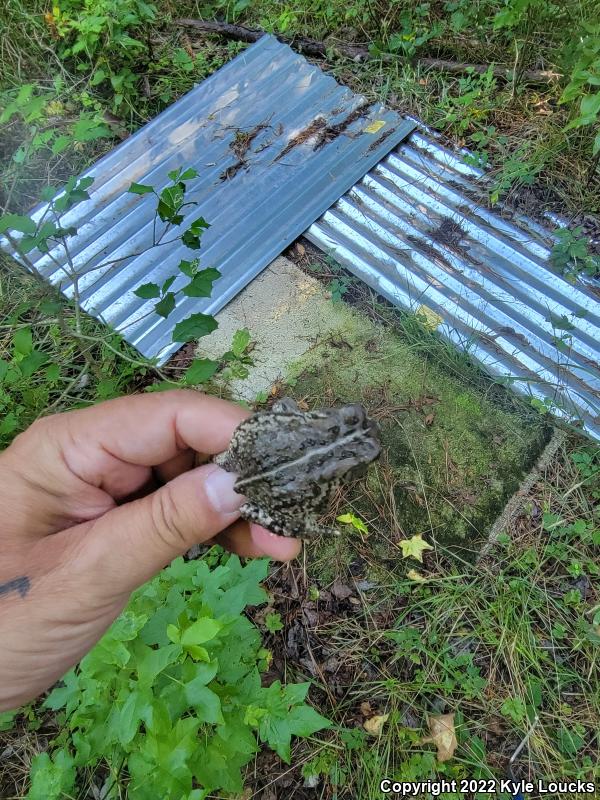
{"points": [[167, 519]]}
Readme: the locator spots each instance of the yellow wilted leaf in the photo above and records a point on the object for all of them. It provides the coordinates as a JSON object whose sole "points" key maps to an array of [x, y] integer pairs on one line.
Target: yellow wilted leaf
{"points": [[443, 736], [430, 318], [375, 126], [352, 519], [413, 575], [414, 547], [375, 724]]}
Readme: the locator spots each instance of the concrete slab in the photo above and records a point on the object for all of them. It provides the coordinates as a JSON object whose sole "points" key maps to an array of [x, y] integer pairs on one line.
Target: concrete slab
{"points": [[286, 312], [452, 455]]}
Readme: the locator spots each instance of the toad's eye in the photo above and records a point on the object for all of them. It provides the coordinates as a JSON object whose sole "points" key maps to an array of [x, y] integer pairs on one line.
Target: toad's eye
{"points": [[350, 418]]}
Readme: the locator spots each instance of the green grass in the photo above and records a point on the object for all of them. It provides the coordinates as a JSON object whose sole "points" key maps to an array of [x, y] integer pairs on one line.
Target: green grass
{"points": [[495, 644]]}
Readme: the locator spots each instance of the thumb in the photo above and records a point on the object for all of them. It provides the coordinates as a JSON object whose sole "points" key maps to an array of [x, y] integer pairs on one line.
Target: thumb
{"points": [[131, 543]]}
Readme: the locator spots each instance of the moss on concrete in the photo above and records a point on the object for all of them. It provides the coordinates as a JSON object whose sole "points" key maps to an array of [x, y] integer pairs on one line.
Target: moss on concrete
{"points": [[452, 456]]}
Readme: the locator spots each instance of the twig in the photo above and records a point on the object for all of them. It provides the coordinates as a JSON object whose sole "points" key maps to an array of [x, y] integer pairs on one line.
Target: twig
{"points": [[312, 47]]}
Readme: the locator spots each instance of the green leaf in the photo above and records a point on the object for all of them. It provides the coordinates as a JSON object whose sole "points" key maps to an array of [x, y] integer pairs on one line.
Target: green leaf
{"points": [[17, 222], [32, 363], [198, 652], [177, 175], [200, 371], [60, 143], [414, 547], [88, 129], [174, 633], [194, 327], [201, 631], [352, 519], [52, 778], [240, 341], [304, 721], [151, 662], [129, 719], [191, 237], [570, 741], [166, 305], [189, 268], [170, 200], [98, 76], [205, 703], [140, 188], [23, 341], [273, 622], [147, 291], [201, 284], [7, 720]]}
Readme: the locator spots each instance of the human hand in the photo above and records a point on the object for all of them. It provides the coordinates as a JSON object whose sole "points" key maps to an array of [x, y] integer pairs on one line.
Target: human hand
{"points": [[85, 521]]}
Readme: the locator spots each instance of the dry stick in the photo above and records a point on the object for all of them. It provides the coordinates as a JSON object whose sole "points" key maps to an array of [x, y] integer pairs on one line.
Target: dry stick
{"points": [[312, 47]]}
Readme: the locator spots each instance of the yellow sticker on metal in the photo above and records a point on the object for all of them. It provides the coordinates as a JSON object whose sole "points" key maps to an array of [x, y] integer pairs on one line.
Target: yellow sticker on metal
{"points": [[430, 318], [375, 126]]}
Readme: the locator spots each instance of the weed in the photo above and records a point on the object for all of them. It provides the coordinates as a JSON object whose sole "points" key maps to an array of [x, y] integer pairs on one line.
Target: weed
{"points": [[171, 697], [571, 253]]}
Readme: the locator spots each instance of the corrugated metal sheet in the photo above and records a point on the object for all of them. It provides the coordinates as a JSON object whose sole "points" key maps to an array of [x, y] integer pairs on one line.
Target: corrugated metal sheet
{"points": [[318, 139], [416, 228]]}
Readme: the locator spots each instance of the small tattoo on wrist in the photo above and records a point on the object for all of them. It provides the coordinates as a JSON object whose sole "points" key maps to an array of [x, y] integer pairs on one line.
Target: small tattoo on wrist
{"points": [[21, 585]]}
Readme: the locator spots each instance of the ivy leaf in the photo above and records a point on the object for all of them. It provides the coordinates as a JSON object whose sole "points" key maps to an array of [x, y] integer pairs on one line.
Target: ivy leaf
{"points": [[194, 327], [201, 284], [166, 305], [414, 547], [147, 291], [140, 188], [200, 370]]}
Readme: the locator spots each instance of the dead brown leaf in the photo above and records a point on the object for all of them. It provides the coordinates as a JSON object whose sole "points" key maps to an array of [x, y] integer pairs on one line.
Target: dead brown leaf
{"points": [[443, 735], [340, 590], [375, 724]]}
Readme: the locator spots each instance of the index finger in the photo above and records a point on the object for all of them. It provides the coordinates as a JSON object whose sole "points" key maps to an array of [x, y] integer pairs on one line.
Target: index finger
{"points": [[149, 429]]}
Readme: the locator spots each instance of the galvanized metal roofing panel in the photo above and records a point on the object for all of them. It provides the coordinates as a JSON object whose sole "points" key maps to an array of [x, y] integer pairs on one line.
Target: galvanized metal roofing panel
{"points": [[318, 139], [416, 228]]}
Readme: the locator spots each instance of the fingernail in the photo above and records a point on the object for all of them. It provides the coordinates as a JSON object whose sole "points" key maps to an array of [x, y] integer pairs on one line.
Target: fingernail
{"points": [[218, 486]]}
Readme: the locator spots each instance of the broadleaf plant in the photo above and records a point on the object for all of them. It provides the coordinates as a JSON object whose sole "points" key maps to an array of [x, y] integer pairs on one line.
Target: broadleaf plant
{"points": [[171, 698]]}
